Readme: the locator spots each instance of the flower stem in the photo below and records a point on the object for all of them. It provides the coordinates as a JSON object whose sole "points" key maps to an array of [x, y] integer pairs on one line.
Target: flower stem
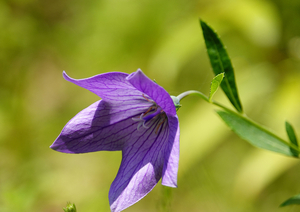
{"points": [[165, 199], [187, 93], [203, 96]]}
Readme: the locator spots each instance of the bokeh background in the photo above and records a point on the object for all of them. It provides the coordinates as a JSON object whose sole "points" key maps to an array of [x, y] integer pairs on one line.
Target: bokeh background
{"points": [[218, 171]]}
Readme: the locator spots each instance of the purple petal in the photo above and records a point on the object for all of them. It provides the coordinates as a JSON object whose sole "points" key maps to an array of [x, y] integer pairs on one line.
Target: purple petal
{"points": [[101, 126], [141, 82], [141, 167], [111, 86], [169, 177]]}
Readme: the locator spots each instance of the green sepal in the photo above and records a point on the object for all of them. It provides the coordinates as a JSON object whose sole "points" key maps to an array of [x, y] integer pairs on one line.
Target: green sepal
{"points": [[215, 83], [176, 102], [221, 63]]}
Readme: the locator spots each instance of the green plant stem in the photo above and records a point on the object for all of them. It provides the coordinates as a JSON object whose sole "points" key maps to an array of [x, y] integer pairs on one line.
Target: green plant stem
{"points": [[193, 92], [242, 115]]}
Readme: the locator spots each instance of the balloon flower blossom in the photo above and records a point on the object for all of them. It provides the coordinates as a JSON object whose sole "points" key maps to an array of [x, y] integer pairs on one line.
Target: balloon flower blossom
{"points": [[136, 116]]}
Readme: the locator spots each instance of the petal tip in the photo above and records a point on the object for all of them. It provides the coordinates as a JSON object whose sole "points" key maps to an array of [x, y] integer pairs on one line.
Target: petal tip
{"points": [[57, 146], [54, 147], [60, 148], [172, 185], [137, 72], [65, 76], [169, 183]]}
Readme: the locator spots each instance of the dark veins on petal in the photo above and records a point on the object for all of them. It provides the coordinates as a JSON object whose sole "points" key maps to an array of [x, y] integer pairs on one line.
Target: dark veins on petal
{"points": [[143, 149], [106, 126]]}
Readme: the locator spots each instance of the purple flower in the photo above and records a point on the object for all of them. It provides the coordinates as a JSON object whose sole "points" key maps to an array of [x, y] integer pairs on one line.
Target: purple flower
{"points": [[135, 115]]}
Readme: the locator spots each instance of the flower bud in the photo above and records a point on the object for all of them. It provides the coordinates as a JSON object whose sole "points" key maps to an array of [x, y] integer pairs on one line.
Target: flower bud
{"points": [[70, 207]]}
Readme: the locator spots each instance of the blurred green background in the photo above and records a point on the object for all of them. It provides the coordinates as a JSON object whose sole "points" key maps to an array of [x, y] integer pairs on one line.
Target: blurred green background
{"points": [[218, 172]]}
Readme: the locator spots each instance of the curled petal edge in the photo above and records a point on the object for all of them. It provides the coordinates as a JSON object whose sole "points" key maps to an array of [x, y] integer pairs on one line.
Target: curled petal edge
{"points": [[141, 82]]}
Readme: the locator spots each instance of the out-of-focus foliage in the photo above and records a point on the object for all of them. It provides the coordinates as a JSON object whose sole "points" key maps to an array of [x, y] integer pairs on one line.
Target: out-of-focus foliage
{"points": [[291, 201], [217, 170], [292, 137], [70, 208]]}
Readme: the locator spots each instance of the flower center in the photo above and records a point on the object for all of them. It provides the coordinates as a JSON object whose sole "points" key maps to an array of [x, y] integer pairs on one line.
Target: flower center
{"points": [[154, 113]]}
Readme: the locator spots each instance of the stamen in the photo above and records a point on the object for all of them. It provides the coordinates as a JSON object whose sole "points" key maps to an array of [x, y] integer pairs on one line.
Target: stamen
{"points": [[151, 113], [144, 125], [138, 119], [139, 125], [148, 99], [151, 116], [150, 108], [159, 125]]}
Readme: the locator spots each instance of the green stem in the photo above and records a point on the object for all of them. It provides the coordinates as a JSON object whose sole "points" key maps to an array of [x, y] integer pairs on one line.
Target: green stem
{"points": [[203, 96], [187, 93]]}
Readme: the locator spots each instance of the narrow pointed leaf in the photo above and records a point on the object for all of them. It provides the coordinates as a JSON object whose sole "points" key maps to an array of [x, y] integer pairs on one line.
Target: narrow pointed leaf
{"points": [[256, 134], [292, 201], [220, 63], [215, 83], [292, 136]]}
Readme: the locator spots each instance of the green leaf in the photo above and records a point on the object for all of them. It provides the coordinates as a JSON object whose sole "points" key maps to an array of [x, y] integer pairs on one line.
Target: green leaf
{"points": [[220, 63], [292, 201], [215, 83], [292, 136], [255, 134]]}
